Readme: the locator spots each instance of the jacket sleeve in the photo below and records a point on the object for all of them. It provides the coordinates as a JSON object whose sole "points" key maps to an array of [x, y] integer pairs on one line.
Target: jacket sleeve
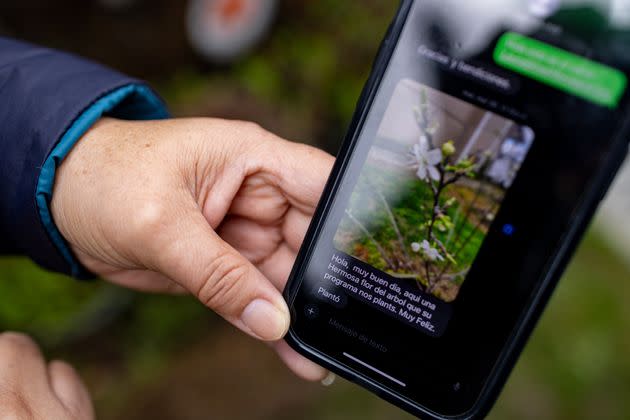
{"points": [[48, 100]]}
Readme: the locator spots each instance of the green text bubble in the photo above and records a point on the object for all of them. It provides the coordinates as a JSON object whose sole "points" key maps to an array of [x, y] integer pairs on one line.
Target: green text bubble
{"points": [[561, 69]]}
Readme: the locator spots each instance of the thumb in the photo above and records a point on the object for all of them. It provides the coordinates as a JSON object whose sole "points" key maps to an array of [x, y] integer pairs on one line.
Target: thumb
{"points": [[69, 388], [191, 253]]}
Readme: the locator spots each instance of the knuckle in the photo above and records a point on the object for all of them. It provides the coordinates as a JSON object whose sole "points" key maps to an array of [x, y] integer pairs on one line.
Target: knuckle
{"points": [[223, 282], [149, 219], [257, 133], [253, 127], [16, 342]]}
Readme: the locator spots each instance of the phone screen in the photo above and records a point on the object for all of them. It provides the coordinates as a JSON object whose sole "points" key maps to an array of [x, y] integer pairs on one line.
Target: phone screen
{"points": [[433, 182], [489, 128]]}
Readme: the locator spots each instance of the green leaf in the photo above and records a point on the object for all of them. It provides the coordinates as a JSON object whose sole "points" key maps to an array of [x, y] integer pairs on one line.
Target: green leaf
{"points": [[451, 259]]}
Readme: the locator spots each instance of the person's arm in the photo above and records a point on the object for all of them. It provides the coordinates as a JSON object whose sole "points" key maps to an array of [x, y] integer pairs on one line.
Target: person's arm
{"points": [[209, 207], [49, 100]]}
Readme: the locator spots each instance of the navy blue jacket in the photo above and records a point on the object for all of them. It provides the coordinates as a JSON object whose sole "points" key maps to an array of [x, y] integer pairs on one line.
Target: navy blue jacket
{"points": [[48, 99]]}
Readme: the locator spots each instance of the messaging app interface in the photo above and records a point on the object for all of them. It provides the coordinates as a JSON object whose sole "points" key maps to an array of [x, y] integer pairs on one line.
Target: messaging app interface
{"points": [[470, 93], [432, 184]]}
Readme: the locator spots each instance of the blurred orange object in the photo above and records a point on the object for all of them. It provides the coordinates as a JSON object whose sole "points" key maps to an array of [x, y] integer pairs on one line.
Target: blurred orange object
{"points": [[222, 31], [232, 9]]}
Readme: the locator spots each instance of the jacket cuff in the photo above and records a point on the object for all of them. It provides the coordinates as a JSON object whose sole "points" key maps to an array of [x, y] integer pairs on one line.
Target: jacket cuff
{"points": [[131, 102]]}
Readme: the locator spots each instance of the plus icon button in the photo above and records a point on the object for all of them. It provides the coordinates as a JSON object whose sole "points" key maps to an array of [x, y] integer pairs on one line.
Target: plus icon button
{"points": [[311, 311]]}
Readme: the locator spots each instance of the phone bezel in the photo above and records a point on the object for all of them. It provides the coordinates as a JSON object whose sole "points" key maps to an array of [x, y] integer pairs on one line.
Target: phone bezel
{"points": [[522, 330]]}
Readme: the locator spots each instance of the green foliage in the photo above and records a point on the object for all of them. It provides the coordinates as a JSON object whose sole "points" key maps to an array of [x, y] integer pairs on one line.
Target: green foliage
{"points": [[40, 302], [260, 77], [410, 201], [444, 223], [464, 166]]}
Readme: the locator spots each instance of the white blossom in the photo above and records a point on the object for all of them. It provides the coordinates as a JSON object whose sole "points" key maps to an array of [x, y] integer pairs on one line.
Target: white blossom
{"points": [[415, 247], [512, 154], [501, 171], [426, 160], [430, 252]]}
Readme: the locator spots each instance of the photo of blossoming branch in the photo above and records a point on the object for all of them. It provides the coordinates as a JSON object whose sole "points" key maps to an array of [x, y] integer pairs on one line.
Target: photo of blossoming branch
{"points": [[432, 185]]}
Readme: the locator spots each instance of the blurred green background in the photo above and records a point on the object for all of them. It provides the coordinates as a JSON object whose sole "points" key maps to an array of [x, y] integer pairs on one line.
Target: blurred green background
{"points": [[168, 358]]}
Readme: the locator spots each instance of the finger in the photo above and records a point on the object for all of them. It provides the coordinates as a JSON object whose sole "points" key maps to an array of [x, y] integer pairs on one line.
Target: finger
{"points": [[300, 365], [294, 228], [262, 246], [70, 390], [259, 198], [187, 250], [253, 240], [277, 266], [300, 171], [22, 366]]}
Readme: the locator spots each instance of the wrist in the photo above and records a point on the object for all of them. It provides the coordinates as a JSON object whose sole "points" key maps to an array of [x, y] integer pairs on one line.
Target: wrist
{"points": [[73, 175], [133, 101]]}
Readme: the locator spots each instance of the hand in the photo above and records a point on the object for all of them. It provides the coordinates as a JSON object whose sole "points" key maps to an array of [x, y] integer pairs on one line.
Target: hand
{"points": [[32, 389], [211, 207]]}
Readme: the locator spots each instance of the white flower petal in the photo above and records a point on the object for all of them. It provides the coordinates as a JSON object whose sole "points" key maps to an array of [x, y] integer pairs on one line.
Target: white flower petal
{"points": [[422, 171], [430, 252], [415, 247], [423, 144], [434, 173], [415, 151], [434, 157]]}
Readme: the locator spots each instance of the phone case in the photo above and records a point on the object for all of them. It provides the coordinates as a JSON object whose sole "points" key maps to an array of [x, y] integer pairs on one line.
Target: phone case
{"points": [[513, 348]]}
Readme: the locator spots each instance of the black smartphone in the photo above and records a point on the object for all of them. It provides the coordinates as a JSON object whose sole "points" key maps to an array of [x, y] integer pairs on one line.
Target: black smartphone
{"points": [[485, 138]]}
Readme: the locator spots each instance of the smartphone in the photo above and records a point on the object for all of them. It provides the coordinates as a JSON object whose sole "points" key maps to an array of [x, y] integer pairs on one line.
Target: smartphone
{"points": [[486, 136]]}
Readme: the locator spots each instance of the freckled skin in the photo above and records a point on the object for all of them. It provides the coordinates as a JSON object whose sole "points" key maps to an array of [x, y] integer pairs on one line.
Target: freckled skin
{"points": [[209, 207], [213, 208]]}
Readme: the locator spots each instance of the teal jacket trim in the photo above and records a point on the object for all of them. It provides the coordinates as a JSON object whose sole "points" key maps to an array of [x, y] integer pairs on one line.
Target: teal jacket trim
{"points": [[130, 102]]}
